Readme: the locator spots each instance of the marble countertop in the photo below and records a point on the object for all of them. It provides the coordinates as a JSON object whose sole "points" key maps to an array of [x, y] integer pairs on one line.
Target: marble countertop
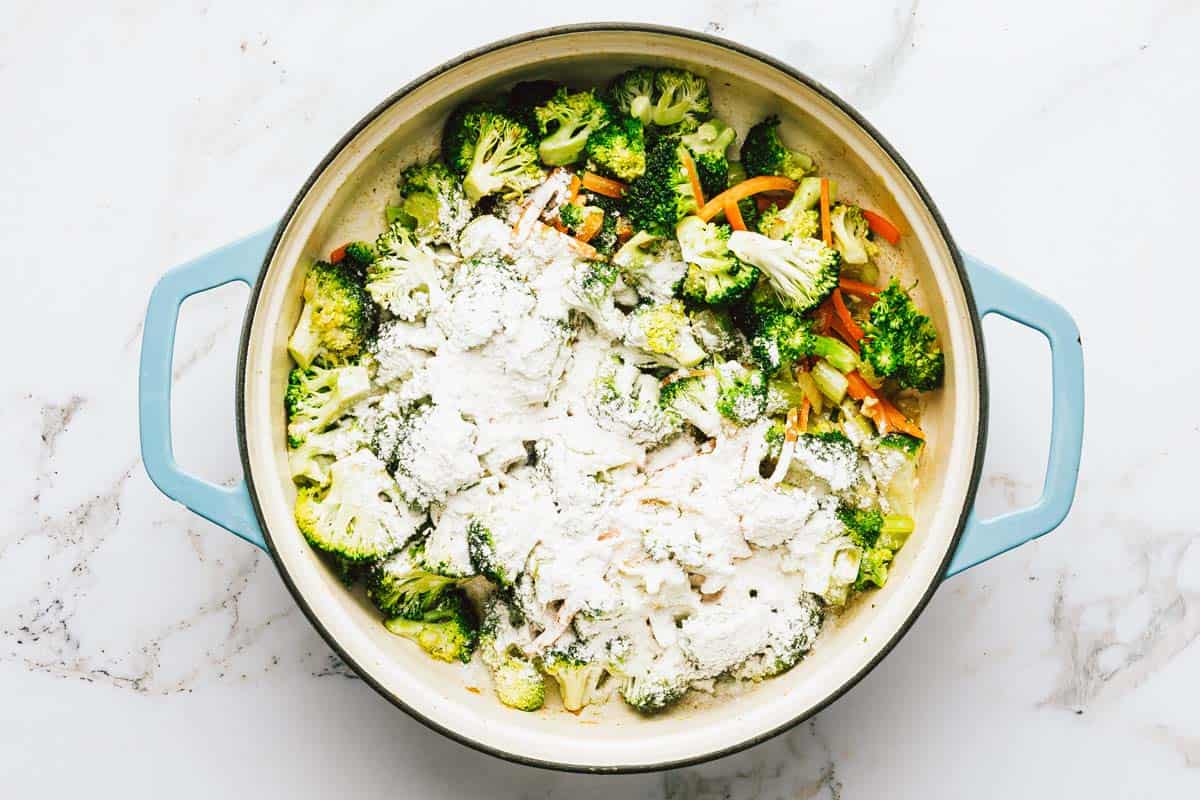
{"points": [[142, 649]]}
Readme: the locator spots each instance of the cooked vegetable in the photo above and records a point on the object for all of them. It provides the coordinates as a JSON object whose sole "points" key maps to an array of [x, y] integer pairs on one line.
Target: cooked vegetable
{"points": [[618, 149], [337, 318], [764, 153], [802, 271], [715, 275], [663, 194], [681, 96], [493, 152], [901, 342], [565, 122]]}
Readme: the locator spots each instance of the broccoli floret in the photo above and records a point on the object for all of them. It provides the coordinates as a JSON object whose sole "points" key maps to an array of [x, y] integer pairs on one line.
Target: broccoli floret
{"points": [[632, 93], [879, 536], [590, 291], [358, 256], [743, 392], [525, 97], [445, 630], [716, 333], [337, 320], [663, 194], [763, 153], [695, 398], [404, 279], [618, 149], [900, 342], [657, 687], [578, 678], [316, 397], [652, 266], [435, 201], [831, 457], [783, 393], [665, 332], [708, 144], [492, 151], [793, 631], [357, 517], [873, 568], [516, 680], [716, 275], [799, 219], [909, 445], [851, 234], [310, 455], [481, 546], [625, 399], [402, 587], [802, 271], [565, 122], [680, 96], [783, 337], [431, 451]]}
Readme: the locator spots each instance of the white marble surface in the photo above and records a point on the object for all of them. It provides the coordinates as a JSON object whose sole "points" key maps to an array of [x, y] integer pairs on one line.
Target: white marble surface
{"points": [[144, 651]]}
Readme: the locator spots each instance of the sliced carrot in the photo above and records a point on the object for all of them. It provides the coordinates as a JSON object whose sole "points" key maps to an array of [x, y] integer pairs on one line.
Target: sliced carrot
{"points": [[337, 255], [858, 288], [837, 326], [843, 314], [573, 189], [805, 407], [826, 233], [602, 185], [792, 431], [624, 230], [591, 226], [885, 415], [747, 188], [733, 215], [880, 226], [689, 166]]}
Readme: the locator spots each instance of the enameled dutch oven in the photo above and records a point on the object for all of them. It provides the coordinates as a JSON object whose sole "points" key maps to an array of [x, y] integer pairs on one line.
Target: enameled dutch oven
{"points": [[337, 204]]}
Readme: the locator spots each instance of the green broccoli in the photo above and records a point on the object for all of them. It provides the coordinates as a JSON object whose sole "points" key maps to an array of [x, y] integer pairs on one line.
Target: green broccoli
{"points": [[524, 97], [695, 399], [743, 392], [310, 455], [900, 342], [663, 194], [404, 279], [632, 93], [481, 546], [590, 291], [492, 151], [715, 331], [655, 688], [764, 154], [873, 568], [316, 397], [358, 256], [565, 122], [435, 201], [851, 234], [401, 586], [665, 332], [578, 678], [445, 630], [625, 399], [516, 680], [799, 219], [618, 149], [680, 96], [707, 145], [802, 271], [870, 527], [783, 337], [357, 517], [337, 320], [715, 275], [793, 631], [652, 266]]}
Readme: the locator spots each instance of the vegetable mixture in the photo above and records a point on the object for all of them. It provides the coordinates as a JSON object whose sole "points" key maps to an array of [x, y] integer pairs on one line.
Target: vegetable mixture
{"points": [[603, 405]]}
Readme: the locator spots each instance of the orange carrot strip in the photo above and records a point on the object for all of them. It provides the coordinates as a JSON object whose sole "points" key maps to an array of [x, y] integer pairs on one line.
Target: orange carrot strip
{"points": [[337, 255], [805, 407], [838, 327], [826, 234], [573, 189], [885, 415], [584, 249], [602, 185], [839, 306], [689, 167], [791, 431], [858, 288], [591, 226], [733, 215], [748, 187], [881, 226]]}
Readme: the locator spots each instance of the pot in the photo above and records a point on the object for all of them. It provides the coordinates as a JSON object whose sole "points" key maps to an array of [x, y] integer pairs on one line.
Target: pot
{"points": [[336, 204]]}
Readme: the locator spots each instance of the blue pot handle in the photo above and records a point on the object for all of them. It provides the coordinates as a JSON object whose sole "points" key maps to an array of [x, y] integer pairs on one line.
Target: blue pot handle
{"points": [[995, 293], [227, 506]]}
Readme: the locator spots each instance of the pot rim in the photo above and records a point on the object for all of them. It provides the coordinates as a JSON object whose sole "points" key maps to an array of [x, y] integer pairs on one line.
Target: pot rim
{"points": [[975, 324]]}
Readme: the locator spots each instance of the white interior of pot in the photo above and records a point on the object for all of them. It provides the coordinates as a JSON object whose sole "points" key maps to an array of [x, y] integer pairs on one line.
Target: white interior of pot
{"points": [[346, 203]]}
